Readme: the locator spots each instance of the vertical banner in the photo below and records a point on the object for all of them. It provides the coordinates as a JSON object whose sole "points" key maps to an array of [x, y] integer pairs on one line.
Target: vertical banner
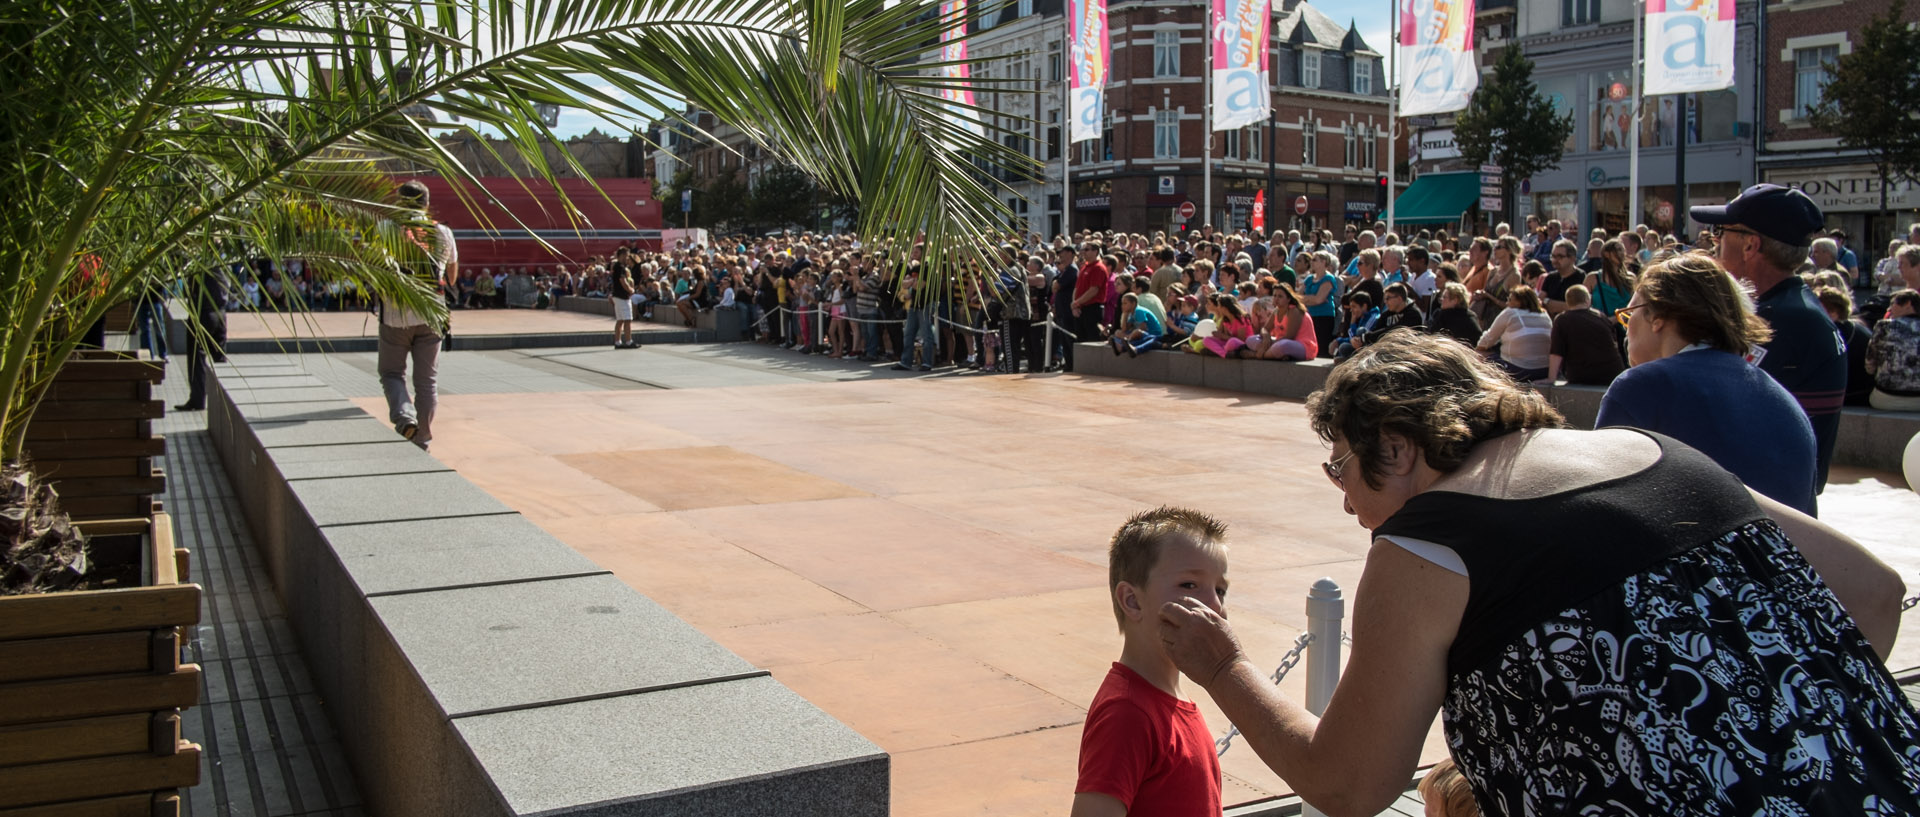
{"points": [[1090, 55], [1437, 74], [953, 50], [1239, 43], [1259, 221], [1689, 46]]}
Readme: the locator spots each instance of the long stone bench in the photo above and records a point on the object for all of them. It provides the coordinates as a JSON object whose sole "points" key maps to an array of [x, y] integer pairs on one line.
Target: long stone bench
{"points": [[475, 665], [1869, 438]]}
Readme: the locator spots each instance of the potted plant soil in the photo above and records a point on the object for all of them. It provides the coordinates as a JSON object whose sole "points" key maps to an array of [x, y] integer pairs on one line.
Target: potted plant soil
{"points": [[91, 684]]}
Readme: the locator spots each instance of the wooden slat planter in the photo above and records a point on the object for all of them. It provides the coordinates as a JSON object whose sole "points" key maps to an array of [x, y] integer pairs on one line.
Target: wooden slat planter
{"points": [[91, 684], [92, 436]]}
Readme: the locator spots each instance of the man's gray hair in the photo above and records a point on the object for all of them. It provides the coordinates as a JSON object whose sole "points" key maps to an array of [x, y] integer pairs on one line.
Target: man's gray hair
{"points": [[1780, 255]]}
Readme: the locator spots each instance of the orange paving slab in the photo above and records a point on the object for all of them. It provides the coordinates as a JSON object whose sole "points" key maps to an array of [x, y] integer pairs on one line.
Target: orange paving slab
{"points": [[923, 559]]}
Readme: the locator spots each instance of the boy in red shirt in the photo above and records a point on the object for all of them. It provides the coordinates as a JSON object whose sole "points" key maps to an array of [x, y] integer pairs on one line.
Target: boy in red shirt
{"points": [[1145, 749]]}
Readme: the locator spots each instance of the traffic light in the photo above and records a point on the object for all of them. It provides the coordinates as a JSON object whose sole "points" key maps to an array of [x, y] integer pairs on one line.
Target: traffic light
{"points": [[1382, 189]]}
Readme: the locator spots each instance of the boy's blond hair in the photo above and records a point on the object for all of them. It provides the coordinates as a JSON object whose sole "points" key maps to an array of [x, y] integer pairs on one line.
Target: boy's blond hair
{"points": [[1444, 784], [1136, 546]]}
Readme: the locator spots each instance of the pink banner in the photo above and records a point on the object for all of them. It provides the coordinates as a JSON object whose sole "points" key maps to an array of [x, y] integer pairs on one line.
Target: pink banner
{"points": [[1089, 57], [953, 49]]}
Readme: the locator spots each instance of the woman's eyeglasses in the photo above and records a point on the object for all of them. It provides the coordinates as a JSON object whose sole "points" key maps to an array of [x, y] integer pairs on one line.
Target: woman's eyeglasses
{"points": [[1625, 314], [1337, 467]]}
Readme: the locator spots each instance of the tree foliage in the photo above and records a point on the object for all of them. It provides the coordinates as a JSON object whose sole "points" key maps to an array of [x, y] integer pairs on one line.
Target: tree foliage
{"points": [[782, 197], [1869, 99], [1509, 123], [140, 138]]}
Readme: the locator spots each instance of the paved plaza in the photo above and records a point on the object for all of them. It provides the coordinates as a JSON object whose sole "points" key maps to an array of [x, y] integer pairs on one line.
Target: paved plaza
{"points": [[923, 556]]}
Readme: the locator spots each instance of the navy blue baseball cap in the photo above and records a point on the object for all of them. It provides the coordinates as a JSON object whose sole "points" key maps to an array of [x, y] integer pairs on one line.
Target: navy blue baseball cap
{"points": [[1783, 214]]}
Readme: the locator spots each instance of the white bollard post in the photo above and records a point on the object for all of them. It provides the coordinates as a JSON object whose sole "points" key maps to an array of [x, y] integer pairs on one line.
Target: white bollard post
{"points": [[1046, 348], [1326, 611]]}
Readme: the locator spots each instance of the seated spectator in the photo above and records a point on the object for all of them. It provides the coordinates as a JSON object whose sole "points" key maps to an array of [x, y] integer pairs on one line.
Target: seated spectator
{"points": [[1293, 336], [1400, 313], [1893, 356], [1583, 346], [483, 290], [1185, 318], [1454, 318], [1523, 333], [1231, 326], [1688, 331], [1140, 332], [1361, 314], [1839, 306]]}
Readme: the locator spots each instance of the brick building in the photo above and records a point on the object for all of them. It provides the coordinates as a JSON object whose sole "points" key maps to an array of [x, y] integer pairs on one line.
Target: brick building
{"points": [[1326, 144], [1803, 37], [1328, 140]]}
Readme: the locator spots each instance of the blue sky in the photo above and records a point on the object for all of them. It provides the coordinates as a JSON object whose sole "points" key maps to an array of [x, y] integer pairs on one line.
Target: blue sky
{"points": [[1371, 16]]}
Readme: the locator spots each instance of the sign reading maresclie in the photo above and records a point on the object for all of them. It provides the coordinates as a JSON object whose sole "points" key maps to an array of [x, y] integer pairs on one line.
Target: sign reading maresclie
{"points": [[1689, 46], [1090, 52], [953, 52], [1239, 44], [1436, 56]]}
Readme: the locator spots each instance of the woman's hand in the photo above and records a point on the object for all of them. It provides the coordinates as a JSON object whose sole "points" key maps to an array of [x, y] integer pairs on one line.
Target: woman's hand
{"points": [[1199, 640]]}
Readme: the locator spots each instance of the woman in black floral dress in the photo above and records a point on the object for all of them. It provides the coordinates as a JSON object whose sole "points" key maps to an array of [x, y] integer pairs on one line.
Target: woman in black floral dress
{"points": [[1608, 622]]}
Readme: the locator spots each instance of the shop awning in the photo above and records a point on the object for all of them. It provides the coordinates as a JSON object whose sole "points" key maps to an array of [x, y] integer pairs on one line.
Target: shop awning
{"points": [[1437, 197]]}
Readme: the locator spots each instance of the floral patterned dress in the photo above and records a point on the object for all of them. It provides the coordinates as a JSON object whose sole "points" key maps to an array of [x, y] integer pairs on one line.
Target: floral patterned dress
{"points": [[1666, 651]]}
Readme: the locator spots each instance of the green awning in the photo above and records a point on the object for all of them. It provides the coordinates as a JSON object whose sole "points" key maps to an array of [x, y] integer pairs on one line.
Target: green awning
{"points": [[1437, 197]]}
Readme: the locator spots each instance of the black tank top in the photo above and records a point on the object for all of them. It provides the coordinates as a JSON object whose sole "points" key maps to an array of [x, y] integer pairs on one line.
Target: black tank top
{"points": [[1527, 559]]}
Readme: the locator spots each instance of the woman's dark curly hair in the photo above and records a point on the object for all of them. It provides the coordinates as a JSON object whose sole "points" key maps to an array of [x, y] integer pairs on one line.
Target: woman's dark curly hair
{"points": [[1430, 389]]}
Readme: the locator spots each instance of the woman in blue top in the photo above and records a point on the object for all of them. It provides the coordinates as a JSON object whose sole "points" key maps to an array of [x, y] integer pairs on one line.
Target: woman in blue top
{"points": [[1320, 294], [1689, 328]]}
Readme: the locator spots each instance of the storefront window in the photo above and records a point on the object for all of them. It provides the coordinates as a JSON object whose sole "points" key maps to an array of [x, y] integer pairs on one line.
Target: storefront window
{"points": [[1714, 115], [1563, 92], [1610, 118], [1559, 204], [1657, 206]]}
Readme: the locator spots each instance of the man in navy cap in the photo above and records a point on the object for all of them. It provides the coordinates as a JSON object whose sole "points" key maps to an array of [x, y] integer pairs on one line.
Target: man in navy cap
{"points": [[1763, 237]]}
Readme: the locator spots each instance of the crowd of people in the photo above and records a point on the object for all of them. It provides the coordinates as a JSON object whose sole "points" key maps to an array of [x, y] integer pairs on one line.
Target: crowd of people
{"points": [[1686, 638]]}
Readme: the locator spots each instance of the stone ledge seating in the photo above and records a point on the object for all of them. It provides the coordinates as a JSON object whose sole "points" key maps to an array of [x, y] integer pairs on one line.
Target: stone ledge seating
{"points": [[1869, 438], [475, 665]]}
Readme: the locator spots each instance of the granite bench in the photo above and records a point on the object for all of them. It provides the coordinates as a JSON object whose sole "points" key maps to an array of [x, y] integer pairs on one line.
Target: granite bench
{"points": [[475, 665], [1869, 438]]}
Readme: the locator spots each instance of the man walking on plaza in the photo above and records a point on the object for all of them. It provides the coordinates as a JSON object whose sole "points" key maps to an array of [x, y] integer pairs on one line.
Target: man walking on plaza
{"points": [[404, 334], [1764, 234]]}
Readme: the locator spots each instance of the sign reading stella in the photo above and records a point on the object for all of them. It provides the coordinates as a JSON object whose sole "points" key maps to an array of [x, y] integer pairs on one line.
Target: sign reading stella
{"points": [[1689, 46], [1239, 44], [1090, 50], [1436, 56]]}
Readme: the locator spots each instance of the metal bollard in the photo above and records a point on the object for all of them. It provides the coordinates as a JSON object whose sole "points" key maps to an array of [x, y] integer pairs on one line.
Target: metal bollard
{"points": [[1326, 612], [1046, 346]]}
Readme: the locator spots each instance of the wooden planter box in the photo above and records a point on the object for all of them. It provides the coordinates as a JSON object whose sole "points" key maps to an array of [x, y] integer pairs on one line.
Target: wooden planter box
{"points": [[93, 439], [91, 684]]}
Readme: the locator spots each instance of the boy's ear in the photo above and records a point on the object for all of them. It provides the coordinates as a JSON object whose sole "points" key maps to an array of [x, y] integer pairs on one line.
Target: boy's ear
{"points": [[1129, 599]]}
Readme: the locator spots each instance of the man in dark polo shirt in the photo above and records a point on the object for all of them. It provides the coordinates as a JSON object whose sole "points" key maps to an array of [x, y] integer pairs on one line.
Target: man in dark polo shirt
{"points": [[1583, 346], [1764, 235], [1566, 273]]}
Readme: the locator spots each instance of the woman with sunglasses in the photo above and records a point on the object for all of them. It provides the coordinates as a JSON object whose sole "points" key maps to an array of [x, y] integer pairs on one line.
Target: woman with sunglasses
{"points": [[1690, 327], [1605, 621]]}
